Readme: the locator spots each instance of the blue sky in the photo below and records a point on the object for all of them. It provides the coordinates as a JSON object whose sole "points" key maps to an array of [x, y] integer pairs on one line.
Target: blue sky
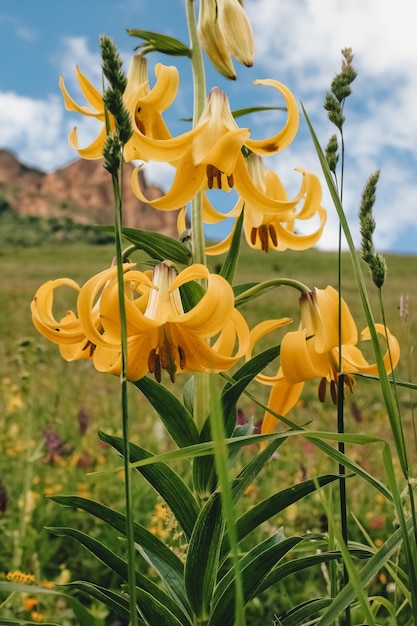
{"points": [[297, 42]]}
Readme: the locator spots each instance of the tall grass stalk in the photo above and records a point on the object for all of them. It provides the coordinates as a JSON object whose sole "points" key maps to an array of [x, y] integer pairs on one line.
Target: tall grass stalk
{"points": [[221, 461], [386, 389], [131, 550]]}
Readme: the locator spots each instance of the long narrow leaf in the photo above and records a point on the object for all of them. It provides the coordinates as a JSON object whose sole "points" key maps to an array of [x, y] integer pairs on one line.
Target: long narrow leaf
{"points": [[295, 566], [119, 567], [254, 566], [156, 612], [203, 556], [177, 420], [84, 617], [367, 573], [157, 245], [391, 406], [165, 562], [229, 265], [167, 483], [114, 601], [299, 615], [278, 502]]}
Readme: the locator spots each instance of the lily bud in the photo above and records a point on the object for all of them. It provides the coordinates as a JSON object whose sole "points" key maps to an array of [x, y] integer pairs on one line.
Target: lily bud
{"points": [[237, 30], [213, 40], [138, 71], [225, 31]]}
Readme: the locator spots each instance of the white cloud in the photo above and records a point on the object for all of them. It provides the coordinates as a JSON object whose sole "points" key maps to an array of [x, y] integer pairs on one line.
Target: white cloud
{"points": [[33, 129], [300, 43], [76, 51]]}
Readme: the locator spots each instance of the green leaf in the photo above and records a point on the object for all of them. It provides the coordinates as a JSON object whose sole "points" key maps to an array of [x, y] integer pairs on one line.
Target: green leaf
{"points": [[158, 246], [84, 617], [119, 567], [203, 556], [177, 420], [254, 566], [229, 265], [256, 109], [154, 612], [160, 43], [156, 553], [204, 474], [295, 566], [249, 473], [367, 573], [114, 601], [167, 483], [278, 502], [303, 613], [191, 294], [188, 395]]}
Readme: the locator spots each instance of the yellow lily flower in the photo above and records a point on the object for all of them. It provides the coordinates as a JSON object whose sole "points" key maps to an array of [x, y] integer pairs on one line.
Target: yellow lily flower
{"points": [[144, 104], [313, 352], [265, 230], [225, 31], [68, 332], [161, 335], [210, 155]]}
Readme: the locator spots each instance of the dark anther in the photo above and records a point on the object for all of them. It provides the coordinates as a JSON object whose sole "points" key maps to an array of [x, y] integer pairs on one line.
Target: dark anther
{"points": [[273, 234], [181, 354], [333, 391], [210, 176], [322, 389]]}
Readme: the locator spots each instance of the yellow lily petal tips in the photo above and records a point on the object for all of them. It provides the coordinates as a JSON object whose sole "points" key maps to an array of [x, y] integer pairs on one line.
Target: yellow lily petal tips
{"points": [[144, 104]]}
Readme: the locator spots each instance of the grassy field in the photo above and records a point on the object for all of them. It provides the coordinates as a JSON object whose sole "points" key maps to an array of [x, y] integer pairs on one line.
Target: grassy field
{"points": [[51, 411]]}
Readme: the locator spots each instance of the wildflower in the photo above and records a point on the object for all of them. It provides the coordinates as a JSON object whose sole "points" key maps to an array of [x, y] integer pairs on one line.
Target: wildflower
{"points": [[267, 229], [210, 155], [20, 577], [68, 333], [225, 31], [145, 106], [30, 603], [313, 352], [160, 334]]}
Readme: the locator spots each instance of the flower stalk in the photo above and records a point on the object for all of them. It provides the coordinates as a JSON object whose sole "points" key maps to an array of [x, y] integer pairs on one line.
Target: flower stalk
{"points": [[112, 69]]}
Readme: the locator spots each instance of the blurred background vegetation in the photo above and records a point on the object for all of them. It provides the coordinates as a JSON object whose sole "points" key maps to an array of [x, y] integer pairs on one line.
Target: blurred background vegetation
{"points": [[51, 411]]}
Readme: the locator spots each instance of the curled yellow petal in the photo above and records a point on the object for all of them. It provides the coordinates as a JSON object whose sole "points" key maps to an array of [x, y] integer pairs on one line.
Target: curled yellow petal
{"points": [[282, 399], [390, 358], [68, 330], [284, 137]]}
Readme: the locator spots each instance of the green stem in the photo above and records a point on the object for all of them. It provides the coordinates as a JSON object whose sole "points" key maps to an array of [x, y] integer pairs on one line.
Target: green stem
{"points": [[260, 288], [199, 86], [201, 386], [340, 398], [131, 560]]}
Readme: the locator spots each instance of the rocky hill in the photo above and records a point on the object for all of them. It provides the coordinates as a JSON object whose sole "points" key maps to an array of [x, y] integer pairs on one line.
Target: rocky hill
{"points": [[81, 191]]}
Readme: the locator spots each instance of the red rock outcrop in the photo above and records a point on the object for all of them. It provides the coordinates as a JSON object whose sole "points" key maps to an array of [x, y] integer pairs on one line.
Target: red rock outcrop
{"points": [[81, 191]]}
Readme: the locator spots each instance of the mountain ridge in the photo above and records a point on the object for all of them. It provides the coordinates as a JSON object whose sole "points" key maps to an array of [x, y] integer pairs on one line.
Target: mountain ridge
{"points": [[82, 191]]}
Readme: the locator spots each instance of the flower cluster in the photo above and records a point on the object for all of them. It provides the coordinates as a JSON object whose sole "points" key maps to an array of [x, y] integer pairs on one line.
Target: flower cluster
{"points": [[215, 154], [208, 335]]}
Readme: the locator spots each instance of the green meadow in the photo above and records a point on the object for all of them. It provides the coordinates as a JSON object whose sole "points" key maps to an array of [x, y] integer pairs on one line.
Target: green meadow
{"points": [[51, 412]]}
